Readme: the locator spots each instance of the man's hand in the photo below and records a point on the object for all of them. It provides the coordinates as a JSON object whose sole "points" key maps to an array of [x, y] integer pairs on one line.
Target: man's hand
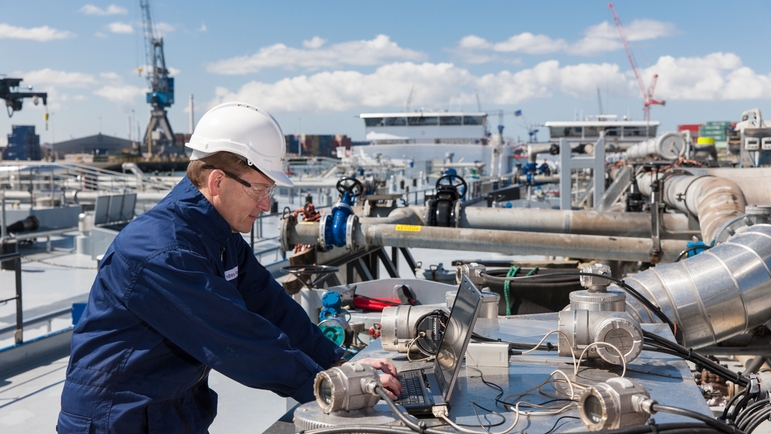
{"points": [[388, 378]]}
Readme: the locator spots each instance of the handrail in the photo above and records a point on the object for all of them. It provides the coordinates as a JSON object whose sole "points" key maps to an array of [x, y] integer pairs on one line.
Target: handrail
{"points": [[38, 319], [19, 328]]}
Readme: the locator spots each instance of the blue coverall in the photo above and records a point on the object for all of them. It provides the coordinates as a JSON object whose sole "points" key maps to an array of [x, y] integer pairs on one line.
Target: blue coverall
{"points": [[178, 294]]}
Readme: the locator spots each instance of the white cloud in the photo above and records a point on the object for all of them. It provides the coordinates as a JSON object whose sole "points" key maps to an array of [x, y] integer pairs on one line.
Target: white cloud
{"points": [[531, 44], [124, 95], [436, 85], [715, 77], [366, 52], [118, 27], [53, 78], [599, 38], [163, 28], [474, 42], [202, 28], [315, 42], [90, 9], [40, 34]]}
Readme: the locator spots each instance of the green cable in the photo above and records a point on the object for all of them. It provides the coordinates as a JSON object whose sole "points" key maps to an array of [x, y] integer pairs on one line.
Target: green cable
{"points": [[512, 272], [531, 272]]}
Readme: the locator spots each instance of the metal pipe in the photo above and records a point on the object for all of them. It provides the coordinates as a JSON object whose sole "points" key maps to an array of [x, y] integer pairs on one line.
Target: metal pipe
{"points": [[714, 201], [568, 222], [714, 295], [514, 242], [412, 215], [668, 146]]}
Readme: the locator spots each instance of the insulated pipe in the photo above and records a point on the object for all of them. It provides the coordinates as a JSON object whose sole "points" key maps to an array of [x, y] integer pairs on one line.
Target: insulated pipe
{"points": [[568, 222], [506, 242], [715, 295], [714, 201], [668, 146], [411, 215]]}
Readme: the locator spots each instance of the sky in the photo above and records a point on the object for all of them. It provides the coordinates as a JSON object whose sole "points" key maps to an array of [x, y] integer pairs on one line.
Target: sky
{"points": [[317, 65]]}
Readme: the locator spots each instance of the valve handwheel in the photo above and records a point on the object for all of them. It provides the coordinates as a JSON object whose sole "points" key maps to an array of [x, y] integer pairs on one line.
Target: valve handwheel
{"points": [[454, 181], [349, 185], [305, 273]]}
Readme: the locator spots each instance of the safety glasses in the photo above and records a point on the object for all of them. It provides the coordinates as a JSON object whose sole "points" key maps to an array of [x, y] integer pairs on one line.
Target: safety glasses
{"points": [[257, 192]]}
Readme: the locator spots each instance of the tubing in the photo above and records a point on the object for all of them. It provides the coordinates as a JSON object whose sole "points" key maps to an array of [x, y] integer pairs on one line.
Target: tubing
{"points": [[714, 201], [715, 295]]}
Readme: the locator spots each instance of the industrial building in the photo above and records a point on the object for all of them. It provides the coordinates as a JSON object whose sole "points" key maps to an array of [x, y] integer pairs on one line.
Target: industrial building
{"points": [[99, 144]]}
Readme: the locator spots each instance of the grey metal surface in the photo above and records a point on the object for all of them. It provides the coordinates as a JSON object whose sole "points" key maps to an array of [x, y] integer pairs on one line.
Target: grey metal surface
{"points": [[667, 378]]}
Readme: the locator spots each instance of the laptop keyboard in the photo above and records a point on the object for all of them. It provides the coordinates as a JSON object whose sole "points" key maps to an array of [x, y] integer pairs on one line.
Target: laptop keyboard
{"points": [[412, 392]]}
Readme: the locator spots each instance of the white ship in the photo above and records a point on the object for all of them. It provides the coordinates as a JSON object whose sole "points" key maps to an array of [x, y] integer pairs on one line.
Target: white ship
{"points": [[432, 141]]}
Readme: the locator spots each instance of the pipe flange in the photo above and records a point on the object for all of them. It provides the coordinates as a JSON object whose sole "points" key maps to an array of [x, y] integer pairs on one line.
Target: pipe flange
{"points": [[322, 243], [283, 229], [456, 215], [753, 215], [350, 231]]}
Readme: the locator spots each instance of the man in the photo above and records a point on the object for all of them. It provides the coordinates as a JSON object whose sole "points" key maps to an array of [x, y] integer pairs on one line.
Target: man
{"points": [[179, 292]]}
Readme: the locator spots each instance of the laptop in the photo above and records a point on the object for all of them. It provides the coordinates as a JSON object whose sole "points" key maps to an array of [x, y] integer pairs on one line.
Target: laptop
{"points": [[429, 387]]}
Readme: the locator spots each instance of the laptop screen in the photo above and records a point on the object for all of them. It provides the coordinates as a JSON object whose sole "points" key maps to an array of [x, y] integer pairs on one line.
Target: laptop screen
{"points": [[456, 336]]}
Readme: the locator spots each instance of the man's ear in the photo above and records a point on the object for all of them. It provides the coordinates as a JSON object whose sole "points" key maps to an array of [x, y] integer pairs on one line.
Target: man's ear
{"points": [[214, 182]]}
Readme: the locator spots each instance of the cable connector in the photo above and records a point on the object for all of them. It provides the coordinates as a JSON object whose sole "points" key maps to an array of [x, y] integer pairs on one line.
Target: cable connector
{"points": [[440, 411]]}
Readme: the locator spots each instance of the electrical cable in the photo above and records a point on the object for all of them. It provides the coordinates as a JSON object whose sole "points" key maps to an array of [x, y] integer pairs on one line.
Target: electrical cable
{"points": [[745, 417], [417, 427], [692, 356], [722, 426], [558, 421], [620, 282], [515, 345], [760, 418], [691, 249], [474, 406]]}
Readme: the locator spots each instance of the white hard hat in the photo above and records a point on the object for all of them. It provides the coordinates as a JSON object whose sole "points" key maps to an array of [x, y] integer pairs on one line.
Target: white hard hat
{"points": [[244, 130]]}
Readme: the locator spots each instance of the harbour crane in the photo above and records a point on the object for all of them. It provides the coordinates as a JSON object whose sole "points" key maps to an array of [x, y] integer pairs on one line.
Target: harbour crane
{"points": [[159, 135], [9, 91], [648, 99]]}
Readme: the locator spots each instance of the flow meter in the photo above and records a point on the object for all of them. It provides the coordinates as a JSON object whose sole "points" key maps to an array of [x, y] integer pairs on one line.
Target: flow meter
{"points": [[616, 403], [350, 386]]}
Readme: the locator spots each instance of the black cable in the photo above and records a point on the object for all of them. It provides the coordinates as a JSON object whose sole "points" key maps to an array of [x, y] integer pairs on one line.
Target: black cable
{"points": [[558, 421], [485, 427], [620, 282], [345, 429], [752, 421], [748, 413], [491, 385], [515, 345], [728, 406], [722, 426], [690, 355], [417, 427], [669, 428], [758, 420], [690, 249]]}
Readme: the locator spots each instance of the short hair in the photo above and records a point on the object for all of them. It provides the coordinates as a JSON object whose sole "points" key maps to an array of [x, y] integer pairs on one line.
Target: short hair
{"points": [[221, 160]]}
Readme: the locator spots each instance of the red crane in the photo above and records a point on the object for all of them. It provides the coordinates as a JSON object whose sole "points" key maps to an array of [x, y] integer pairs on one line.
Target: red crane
{"points": [[648, 99]]}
